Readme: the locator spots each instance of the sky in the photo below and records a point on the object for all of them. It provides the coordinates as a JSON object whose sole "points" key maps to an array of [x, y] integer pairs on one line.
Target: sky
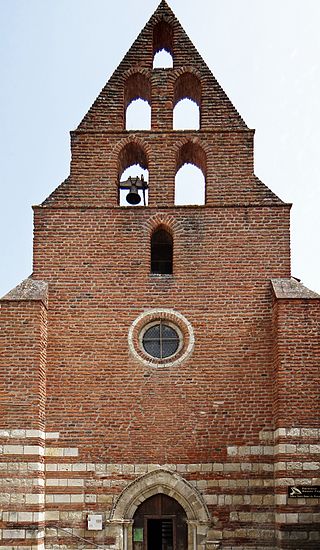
{"points": [[55, 56]]}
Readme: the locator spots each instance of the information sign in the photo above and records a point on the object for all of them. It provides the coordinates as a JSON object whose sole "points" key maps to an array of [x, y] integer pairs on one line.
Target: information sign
{"points": [[307, 491]]}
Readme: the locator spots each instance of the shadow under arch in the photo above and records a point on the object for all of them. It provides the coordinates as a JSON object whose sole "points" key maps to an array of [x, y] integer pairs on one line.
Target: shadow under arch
{"points": [[137, 85], [190, 177], [193, 153], [187, 85], [163, 37], [137, 102], [187, 101], [161, 481], [132, 152]]}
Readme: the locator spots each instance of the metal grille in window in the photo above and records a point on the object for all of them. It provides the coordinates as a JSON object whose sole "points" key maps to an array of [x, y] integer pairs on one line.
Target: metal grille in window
{"points": [[160, 341]]}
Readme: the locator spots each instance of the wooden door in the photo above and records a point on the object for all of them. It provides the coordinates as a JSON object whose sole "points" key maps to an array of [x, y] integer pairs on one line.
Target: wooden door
{"points": [[160, 523]]}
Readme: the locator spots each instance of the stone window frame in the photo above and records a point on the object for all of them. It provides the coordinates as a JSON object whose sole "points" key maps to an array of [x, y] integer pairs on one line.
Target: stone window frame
{"points": [[177, 320]]}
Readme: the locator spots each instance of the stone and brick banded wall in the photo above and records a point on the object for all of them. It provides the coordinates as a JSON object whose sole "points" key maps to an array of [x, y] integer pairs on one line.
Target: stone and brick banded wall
{"points": [[47, 491]]}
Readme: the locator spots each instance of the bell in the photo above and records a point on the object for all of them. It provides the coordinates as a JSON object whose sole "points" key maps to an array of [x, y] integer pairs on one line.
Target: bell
{"points": [[133, 196]]}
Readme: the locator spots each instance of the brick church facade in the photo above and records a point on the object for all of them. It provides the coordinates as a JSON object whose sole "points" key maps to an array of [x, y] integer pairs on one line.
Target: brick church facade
{"points": [[160, 368]]}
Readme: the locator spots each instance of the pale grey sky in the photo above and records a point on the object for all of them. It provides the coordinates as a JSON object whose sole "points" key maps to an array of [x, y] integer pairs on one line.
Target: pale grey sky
{"points": [[55, 56]]}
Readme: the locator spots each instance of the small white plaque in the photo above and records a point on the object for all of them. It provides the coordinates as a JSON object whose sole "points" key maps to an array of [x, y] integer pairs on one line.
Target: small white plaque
{"points": [[94, 522]]}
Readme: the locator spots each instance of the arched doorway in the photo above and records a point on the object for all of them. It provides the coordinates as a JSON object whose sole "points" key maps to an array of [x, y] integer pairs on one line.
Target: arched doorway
{"points": [[166, 483], [160, 523]]}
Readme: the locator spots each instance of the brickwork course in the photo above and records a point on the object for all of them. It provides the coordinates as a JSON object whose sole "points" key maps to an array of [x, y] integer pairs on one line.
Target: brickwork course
{"points": [[93, 425]]}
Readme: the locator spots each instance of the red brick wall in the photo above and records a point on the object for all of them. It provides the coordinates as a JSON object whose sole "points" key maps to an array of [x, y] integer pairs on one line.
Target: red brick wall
{"points": [[97, 263], [228, 167], [22, 364], [297, 375]]}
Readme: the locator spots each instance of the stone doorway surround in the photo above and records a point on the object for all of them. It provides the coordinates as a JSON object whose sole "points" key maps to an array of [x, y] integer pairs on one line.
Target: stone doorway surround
{"points": [[173, 485]]}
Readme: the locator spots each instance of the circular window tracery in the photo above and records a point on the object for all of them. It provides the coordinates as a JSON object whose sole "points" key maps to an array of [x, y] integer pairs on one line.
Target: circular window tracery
{"points": [[161, 338]]}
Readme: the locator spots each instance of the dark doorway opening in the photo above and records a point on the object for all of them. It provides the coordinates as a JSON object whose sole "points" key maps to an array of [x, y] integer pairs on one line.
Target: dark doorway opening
{"points": [[160, 534], [160, 523]]}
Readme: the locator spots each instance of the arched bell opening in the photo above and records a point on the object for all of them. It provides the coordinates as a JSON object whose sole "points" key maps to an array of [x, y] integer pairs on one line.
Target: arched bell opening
{"points": [[137, 102], [160, 523], [138, 115], [186, 115], [133, 176], [133, 190], [187, 102], [163, 60], [190, 181], [190, 186], [162, 45]]}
